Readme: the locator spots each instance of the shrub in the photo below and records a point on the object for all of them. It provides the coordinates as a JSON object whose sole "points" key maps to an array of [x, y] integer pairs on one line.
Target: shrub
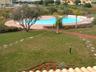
{"points": [[65, 4], [4, 29], [52, 9], [88, 5], [43, 10], [77, 2], [94, 21]]}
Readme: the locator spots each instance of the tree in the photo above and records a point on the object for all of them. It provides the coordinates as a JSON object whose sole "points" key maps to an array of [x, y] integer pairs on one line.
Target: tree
{"points": [[26, 16], [76, 12], [4, 15], [52, 9], [58, 21], [88, 5], [77, 2]]}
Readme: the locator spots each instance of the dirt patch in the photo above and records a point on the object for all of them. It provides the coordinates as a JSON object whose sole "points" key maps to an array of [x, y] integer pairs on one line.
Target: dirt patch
{"points": [[82, 35]]}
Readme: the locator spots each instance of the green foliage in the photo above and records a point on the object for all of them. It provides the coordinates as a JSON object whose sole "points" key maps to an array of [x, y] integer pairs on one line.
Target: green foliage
{"points": [[67, 9], [25, 12], [45, 46], [4, 15], [94, 21], [65, 4], [59, 22], [2, 20], [88, 5], [77, 11], [51, 9], [26, 16], [77, 2], [92, 10], [43, 10], [4, 29]]}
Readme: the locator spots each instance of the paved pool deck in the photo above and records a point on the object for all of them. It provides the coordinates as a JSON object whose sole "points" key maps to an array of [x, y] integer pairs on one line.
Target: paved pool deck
{"points": [[83, 21]]}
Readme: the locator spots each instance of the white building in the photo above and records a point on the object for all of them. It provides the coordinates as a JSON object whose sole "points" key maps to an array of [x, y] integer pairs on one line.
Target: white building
{"points": [[10, 2], [4, 3]]}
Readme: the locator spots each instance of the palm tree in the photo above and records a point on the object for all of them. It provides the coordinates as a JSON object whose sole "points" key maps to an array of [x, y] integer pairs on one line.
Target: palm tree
{"points": [[57, 24], [58, 21]]}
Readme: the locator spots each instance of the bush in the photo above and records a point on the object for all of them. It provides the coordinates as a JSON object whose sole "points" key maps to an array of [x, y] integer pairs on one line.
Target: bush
{"points": [[77, 2], [43, 10], [94, 21], [51, 9], [88, 5], [4, 29]]}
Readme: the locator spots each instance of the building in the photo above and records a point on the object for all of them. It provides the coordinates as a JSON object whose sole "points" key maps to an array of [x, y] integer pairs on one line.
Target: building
{"points": [[26, 0], [5, 1], [61, 1], [71, 2], [11, 2]]}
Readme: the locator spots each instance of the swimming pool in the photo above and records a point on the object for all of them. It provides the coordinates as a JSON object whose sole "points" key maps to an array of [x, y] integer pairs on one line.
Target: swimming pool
{"points": [[52, 21], [69, 20]]}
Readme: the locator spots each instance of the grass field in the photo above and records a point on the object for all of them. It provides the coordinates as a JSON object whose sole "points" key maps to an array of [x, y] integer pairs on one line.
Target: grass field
{"points": [[44, 46], [89, 30]]}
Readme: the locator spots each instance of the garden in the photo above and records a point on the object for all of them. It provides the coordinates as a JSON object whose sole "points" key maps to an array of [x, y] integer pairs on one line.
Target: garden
{"points": [[23, 48]]}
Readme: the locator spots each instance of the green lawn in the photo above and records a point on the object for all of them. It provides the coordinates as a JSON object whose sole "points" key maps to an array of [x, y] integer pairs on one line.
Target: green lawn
{"points": [[89, 30], [45, 46]]}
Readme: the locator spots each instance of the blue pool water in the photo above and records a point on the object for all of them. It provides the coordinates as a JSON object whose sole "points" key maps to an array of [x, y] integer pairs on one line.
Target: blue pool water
{"points": [[69, 20], [52, 21]]}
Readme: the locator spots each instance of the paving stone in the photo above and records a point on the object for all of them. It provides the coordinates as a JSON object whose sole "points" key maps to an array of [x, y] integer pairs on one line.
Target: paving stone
{"points": [[16, 42], [88, 46], [21, 40], [84, 39], [10, 44], [92, 50], [5, 46], [92, 47], [80, 31], [94, 54], [30, 37], [87, 41]]}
